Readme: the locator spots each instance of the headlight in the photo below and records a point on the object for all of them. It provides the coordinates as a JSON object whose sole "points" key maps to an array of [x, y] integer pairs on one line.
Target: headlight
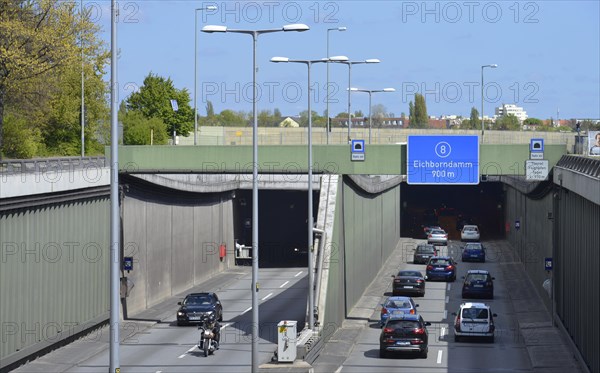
{"points": [[179, 313], [209, 313]]}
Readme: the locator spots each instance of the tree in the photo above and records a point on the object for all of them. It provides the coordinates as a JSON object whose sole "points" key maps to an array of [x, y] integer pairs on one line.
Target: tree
{"points": [[139, 130], [38, 38], [153, 100], [533, 122], [418, 112], [474, 122], [508, 122]]}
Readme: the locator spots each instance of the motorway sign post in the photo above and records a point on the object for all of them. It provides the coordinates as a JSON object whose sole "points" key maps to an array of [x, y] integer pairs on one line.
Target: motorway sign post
{"points": [[442, 160]]}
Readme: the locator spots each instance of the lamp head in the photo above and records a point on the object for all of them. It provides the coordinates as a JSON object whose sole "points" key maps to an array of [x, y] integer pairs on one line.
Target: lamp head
{"points": [[337, 59], [211, 7], [342, 28], [280, 59], [296, 27], [389, 89], [493, 66], [372, 60], [214, 28]]}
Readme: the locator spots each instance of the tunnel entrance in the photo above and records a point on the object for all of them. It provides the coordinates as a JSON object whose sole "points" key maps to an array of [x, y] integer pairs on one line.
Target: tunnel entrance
{"points": [[283, 228], [452, 206]]}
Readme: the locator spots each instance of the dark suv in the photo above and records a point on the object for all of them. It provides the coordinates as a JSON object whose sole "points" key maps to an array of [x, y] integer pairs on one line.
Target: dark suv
{"points": [[404, 332], [423, 253], [197, 305], [478, 284]]}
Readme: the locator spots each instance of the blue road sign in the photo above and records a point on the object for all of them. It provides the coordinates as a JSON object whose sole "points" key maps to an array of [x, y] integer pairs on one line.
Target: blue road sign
{"points": [[536, 145], [442, 160], [128, 263], [517, 224], [358, 146], [548, 264]]}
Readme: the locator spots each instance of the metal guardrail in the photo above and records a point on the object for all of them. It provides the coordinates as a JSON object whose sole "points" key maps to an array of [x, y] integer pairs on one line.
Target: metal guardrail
{"points": [[17, 166], [585, 165]]}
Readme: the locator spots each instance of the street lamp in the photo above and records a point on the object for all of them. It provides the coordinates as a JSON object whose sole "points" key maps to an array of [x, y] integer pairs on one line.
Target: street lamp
{"points": [[311, 300], [254, 289], [350, 63], [371, 91], [493, 66], [327, 127], [209, 7]]}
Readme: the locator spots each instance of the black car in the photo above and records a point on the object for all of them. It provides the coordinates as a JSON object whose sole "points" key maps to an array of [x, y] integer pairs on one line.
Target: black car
{"points": [[404, 332], [408, 283], [423, 253], [197, 305], [478, 284]]}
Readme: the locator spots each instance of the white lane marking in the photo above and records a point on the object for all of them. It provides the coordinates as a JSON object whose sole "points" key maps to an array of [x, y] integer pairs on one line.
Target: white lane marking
{"points": [[159, 371], [246, 310], [449, 287], [445, 314], [439, 357], [447, 298], [298, 274], [442, 332], [266, 296], [338, 370], [285, 283], [226, 325], [182, 356]]}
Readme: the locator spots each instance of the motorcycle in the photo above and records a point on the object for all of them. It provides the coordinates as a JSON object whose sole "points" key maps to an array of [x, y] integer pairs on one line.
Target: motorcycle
{"points": [[207, 342]]}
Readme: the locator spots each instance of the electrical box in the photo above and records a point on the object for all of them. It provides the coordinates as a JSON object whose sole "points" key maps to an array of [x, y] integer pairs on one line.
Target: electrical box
{"points": [[286, 341]]}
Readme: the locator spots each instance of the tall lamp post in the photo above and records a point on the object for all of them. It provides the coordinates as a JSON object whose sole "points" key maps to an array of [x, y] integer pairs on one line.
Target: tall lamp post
{"points": [[370, 92], [350, 63], [327, 126], [82, 91], [493, 66], [209, 7], [254, 289], [311, 275]]}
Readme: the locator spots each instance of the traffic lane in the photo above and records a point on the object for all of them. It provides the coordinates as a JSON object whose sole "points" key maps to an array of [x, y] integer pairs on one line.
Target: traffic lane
{"points": [[441, 299], [167, 346], [508, 351]]}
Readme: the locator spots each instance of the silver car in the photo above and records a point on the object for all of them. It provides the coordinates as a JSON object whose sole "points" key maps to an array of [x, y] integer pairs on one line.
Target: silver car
{"points": [[437, 237]]}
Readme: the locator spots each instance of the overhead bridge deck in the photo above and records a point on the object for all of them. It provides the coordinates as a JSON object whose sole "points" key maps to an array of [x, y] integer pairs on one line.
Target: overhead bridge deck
{"points": [[494, 159]]}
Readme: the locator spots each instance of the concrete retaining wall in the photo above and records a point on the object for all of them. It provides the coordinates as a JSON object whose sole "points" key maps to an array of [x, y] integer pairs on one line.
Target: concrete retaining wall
{"points": [[174, 239]]}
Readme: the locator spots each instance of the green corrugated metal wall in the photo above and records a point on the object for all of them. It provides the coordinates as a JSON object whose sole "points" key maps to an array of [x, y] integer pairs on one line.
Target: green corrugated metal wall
{"points": [[53, 273]]}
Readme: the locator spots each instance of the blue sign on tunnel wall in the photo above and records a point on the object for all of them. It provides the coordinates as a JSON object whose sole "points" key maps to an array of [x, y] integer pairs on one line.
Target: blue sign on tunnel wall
{"points": [[442, 160]]}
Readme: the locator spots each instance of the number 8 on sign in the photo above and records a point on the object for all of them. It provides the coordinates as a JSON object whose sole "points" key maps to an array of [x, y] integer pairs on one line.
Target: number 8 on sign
{"points": [[443, 149]]}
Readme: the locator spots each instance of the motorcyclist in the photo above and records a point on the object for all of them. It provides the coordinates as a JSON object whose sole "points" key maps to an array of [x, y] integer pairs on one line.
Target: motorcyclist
{"points": [[213, 324]]}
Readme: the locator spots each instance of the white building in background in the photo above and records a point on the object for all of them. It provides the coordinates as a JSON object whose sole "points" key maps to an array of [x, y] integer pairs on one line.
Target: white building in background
{"points": [[507, 109]]}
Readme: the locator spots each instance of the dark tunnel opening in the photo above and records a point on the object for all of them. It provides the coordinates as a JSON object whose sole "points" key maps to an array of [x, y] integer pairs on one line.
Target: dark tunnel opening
{"points": [[283, 228], [452, 206]]}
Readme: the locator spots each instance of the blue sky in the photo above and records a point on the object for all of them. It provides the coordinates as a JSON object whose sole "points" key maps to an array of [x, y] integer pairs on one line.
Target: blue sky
{"points": [[548, 53]]}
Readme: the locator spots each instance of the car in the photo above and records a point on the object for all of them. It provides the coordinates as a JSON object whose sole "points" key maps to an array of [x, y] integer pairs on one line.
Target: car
{"points": [[474, 320], [197, 305], [441, 267], [397, 305], [478, 284], [437, 237], [469, 233], [408, 282], [404, 332], [423, 252], [473, 252], [429, 228]]}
